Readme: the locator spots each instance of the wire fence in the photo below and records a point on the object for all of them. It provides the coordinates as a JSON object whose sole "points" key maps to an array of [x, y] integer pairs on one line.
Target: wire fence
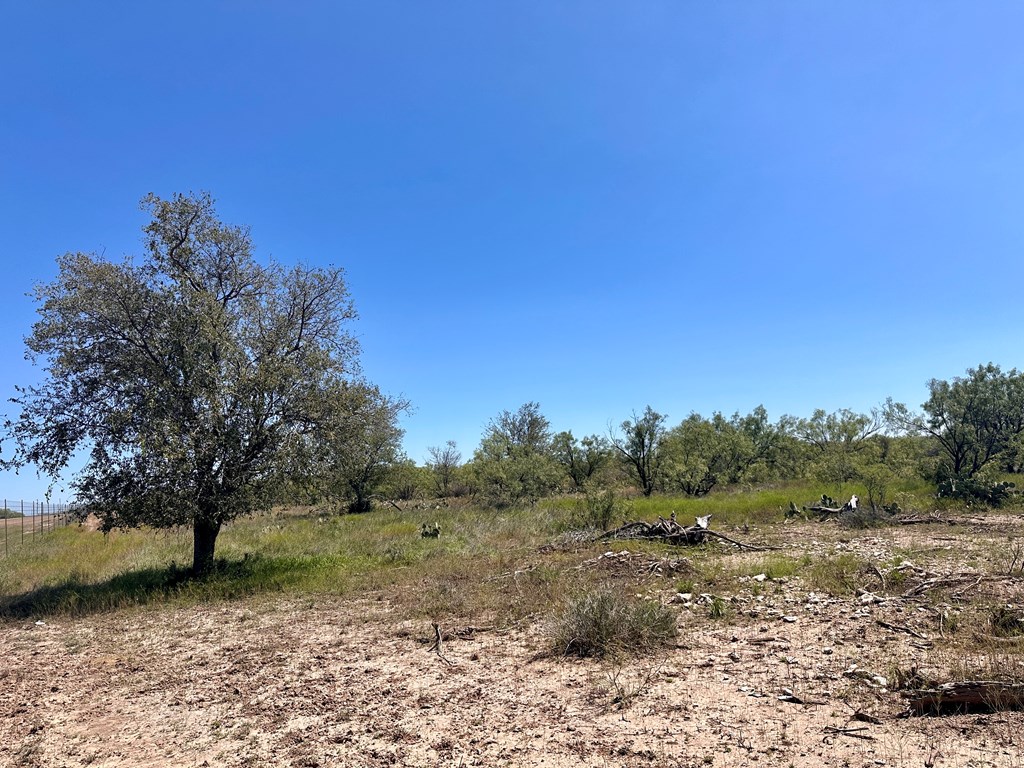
{"points": [[26, 522]]}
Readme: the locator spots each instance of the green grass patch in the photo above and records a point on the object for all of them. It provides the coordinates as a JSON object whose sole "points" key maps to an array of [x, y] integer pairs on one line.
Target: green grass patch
{"points": [[839, 575], [76, 571]]}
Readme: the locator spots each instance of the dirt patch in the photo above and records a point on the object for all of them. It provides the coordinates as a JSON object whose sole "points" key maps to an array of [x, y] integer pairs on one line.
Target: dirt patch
{"points": [[347, 683]]}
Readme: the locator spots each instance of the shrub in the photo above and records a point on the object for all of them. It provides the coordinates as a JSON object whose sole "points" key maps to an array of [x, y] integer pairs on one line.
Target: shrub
{"points": [[599, 622], [598, 510]]}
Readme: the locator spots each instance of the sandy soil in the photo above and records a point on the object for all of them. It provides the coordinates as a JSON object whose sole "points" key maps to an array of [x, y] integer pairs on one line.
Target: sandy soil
{"points": [[331, 682]]}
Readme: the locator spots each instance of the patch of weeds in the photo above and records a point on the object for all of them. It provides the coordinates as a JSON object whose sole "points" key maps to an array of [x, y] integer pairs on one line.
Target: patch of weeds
{"points": [[599, 510], [718, 608], [838, 575], [599, 622], [443, 600], [1013, 563], [228, 579], [711, 571], [397, 553], [534, 591], [1006, 621], [780, 566], [686, 585], [625, 688], [977, 490]]}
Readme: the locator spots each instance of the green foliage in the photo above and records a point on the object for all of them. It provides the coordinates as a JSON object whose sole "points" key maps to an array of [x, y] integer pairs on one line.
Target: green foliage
{"points": [[838, 575], [361, 444], [192, 376], [838, 443], [727, 507], [514, 462], [78, 571], [9, 514], [581, 459], [1006, 621], [700, 453], [404, 481], [976, 421], [443, 465], [600, 510], [601, 622], [639, 447], [978, 488]]}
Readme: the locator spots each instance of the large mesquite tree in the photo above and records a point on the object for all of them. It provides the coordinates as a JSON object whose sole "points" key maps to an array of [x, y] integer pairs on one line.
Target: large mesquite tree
{"points": [[194, 376]]}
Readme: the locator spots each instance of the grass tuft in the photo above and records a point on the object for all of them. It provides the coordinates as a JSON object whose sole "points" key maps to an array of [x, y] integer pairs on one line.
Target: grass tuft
{"points": [[600, 622]]}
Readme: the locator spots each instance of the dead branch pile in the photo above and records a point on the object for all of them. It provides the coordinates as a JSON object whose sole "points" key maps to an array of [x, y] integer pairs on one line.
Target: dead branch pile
{"points": [[636, 564], [827, 507], [673, 533]]}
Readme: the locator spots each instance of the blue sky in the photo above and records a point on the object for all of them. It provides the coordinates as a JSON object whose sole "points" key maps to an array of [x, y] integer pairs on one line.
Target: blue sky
{"points": [[597, 206]]}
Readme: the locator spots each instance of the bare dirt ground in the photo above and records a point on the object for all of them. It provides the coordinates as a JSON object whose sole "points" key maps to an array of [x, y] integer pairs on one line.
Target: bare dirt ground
{"points": [[342, 682]]}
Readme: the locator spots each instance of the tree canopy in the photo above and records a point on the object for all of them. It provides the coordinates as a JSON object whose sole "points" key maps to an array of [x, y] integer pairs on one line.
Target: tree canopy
{"points": [[514, 461], [974, 419], [194, 377]]}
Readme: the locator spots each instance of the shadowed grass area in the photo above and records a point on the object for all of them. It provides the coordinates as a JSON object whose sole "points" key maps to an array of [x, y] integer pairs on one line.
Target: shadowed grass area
{"points": [[76, 595]]}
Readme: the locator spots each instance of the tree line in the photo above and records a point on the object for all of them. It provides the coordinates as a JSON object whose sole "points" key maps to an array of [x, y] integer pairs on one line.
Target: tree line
{"points": [[966, 436]]}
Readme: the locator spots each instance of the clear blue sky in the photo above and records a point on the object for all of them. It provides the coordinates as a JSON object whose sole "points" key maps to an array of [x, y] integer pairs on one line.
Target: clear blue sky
{"points": [[694, 205]]}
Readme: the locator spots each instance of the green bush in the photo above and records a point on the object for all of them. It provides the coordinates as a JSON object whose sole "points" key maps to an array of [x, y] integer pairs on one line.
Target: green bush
{"points": [[599, 622], [598, 510]]}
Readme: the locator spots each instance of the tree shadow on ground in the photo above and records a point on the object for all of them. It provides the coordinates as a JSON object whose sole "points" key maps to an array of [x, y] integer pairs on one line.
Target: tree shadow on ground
{"points": [[228, 579]]}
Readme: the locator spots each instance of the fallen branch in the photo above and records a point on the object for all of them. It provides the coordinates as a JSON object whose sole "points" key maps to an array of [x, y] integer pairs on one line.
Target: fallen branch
{"points": [[930, 519], [967, 696], [854, 732], [998, 640], [826, 507], [739, 544], [788, 696], [900, 628]]}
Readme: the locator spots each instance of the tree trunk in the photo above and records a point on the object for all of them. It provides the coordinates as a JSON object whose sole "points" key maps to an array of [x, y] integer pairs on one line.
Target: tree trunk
{"points": [[204, 537], [360, 504]]}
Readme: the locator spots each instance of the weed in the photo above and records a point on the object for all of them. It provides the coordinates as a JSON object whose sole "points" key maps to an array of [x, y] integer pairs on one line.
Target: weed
{"points": [[599, 510], [780, 566], [838, 575], [626, 688], [1006, 621], [600, 622], [718, 608]]}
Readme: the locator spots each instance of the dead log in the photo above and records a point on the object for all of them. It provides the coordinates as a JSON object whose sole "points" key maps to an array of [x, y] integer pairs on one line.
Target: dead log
{"points": [[826, 507], [966, 696]]}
